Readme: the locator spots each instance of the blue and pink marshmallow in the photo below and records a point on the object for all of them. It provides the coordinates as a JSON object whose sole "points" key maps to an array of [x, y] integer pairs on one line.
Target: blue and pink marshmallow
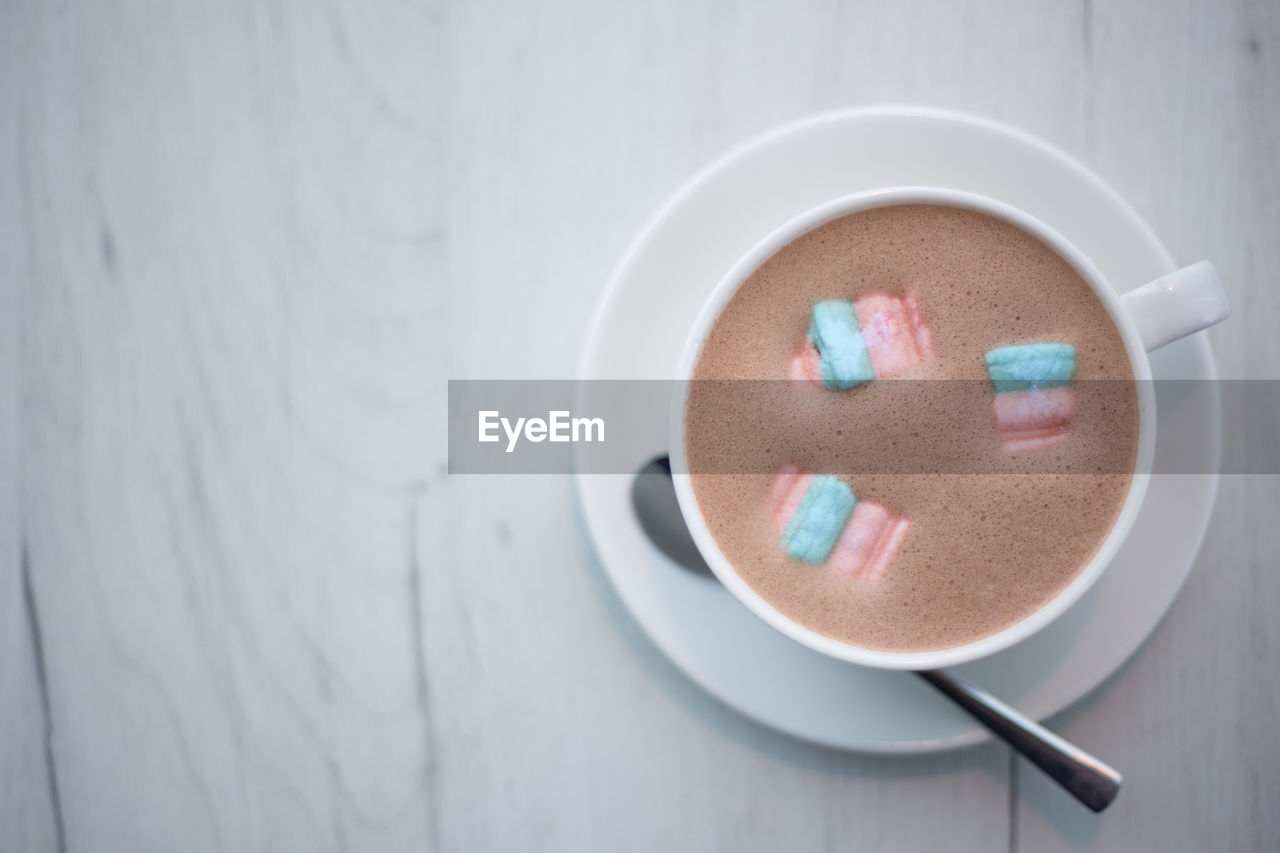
{"points": [[850, 343], [1034, 403], [821, 520]]}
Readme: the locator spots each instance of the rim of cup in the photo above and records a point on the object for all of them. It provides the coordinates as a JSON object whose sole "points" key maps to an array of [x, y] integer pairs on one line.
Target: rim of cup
{"points": [[1038, 618]]}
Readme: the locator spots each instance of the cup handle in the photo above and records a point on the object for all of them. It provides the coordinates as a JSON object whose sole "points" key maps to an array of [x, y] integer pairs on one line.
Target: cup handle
{"points": [[1175, 305]]}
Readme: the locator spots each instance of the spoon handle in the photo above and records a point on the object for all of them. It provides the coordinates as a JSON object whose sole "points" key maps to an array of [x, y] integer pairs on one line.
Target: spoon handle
{"points": [[1088, 779]]}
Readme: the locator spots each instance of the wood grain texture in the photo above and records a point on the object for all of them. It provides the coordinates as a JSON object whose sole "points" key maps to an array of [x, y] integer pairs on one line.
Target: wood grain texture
{"points": [[243, 249], [231, 362], [29, 818]]}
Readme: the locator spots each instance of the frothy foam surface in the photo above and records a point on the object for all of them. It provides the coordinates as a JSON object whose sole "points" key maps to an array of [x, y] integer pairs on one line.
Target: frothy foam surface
{"points": [[984, 549]]}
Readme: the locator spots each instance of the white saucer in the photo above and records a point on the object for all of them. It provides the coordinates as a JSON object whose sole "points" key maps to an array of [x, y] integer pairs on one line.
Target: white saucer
{"points": [[638, 332]]}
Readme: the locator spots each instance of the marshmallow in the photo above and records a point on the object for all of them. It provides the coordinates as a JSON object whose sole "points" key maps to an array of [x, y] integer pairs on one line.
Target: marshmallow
{"points": [[896, 336], [785, 495], [870, 542], [805, 366], [842, 351], [1031, 367], [819, 519], [1034, 420], [1033, 407], [854, 342]]}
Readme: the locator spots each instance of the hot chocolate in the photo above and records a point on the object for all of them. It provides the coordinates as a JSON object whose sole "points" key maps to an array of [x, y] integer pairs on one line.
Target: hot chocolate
{"points": [[815, 491]]}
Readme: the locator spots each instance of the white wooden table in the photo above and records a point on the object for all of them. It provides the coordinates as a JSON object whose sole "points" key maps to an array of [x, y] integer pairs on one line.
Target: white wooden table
{"points": [[244, 244]]}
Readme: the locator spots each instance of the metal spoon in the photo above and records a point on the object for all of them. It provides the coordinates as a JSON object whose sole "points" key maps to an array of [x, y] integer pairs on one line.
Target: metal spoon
{"points": [[653, 497]]}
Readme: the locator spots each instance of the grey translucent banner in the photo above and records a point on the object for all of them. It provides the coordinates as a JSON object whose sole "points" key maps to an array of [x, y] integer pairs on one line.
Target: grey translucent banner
{"points": [[616, 426]]}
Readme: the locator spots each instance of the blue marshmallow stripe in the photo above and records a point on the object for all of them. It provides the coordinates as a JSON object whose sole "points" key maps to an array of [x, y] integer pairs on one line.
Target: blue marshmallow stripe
{"points": [[815, 528], [1031, 367], [843, 357]]}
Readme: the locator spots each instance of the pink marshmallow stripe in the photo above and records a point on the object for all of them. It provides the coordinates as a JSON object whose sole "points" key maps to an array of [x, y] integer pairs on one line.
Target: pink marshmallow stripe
{"points": [[869, 543], [1034, 420], [805, 366], [785, 494], [896, 335]]}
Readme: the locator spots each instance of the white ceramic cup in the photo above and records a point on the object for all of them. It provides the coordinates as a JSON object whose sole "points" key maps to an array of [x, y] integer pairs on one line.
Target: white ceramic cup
{"points": [[1148, 317]]}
